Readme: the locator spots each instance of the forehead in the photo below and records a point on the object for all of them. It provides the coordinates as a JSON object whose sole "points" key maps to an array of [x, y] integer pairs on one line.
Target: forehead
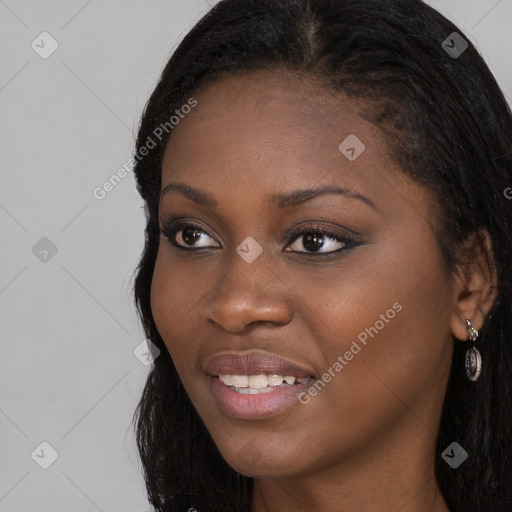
{"points": [[266, 103], [273, 127], [252, 137]]}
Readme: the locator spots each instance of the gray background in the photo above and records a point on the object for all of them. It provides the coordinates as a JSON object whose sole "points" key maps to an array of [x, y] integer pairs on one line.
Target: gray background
{"points": [[68, 373]]}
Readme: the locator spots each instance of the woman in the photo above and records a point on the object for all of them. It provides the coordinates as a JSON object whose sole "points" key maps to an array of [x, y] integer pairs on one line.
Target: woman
{"points": [[327, 264]]}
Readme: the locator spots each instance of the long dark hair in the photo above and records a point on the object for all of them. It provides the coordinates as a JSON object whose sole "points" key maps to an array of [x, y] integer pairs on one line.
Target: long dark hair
{"points": [[448, 127]]}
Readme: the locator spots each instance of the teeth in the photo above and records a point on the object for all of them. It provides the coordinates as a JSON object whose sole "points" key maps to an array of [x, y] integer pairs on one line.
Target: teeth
{"points": [[259, 383], [275, 380], [227, 379], [239, 381], [250, 391]]}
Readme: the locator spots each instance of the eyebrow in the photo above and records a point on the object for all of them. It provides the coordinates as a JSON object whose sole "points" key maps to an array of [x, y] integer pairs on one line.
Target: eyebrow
{"points": [[281, 201]]}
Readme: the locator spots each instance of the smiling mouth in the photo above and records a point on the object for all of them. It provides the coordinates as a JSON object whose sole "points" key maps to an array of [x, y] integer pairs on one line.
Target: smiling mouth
{"points": [[259, 384]]}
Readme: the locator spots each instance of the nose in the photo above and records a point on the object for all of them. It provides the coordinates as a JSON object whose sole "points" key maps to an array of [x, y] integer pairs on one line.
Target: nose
{"points": [[247, 294]]}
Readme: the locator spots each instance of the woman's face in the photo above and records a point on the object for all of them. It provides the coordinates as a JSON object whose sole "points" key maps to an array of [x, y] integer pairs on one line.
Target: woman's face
{"points": [[361, 315]]}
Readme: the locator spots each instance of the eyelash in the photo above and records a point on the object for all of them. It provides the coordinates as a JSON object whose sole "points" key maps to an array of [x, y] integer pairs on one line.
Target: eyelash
{"points": [[170, 230]]}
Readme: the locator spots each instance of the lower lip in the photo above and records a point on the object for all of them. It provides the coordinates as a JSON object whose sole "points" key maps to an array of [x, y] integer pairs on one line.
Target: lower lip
{"points": [[251, 407]]}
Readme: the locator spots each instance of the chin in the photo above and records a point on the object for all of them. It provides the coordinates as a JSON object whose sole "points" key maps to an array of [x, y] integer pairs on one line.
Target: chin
{"points": [[264, 462]]}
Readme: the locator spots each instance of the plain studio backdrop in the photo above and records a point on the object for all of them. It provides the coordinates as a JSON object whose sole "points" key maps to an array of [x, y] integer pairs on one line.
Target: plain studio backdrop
{"points": [[74, 78]]}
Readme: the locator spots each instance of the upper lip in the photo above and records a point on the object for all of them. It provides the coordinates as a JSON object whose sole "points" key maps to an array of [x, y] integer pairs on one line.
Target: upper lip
{"points": [[254, 363]]}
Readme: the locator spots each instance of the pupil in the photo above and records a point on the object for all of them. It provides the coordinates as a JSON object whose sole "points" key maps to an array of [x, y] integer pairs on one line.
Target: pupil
{"points": [[313, 241], [193, 238]]}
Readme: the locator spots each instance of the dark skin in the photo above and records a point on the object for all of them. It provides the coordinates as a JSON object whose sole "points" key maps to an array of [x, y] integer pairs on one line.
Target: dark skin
{"points": [[366, 442]]}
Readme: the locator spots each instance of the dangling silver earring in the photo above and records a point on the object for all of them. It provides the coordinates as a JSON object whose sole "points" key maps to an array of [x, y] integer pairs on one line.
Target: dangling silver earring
{"points": [[473, 357]]}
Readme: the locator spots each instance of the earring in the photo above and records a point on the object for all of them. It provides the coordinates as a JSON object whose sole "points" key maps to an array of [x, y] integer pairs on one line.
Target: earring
{"points": [[473, 357]]}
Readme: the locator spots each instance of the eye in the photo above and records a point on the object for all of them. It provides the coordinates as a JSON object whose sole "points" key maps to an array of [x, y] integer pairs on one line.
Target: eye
{"points": [[187, 236], [312, 240], [319, 240]]}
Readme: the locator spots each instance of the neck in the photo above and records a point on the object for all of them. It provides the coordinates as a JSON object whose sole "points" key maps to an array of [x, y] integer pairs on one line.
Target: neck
{"points": [[377, 477]]}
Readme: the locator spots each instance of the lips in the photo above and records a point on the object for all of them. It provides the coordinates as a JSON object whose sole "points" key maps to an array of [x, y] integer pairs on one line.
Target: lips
{"points": [[230, 372], [254, 363], [255, 406]]}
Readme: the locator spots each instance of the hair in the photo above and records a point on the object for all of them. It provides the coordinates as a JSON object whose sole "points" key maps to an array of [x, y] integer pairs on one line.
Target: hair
{"points": [[447, 126]]}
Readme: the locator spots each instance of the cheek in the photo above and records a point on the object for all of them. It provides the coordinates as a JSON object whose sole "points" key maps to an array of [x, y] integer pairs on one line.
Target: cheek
{"points": [[176, 291], [163, 301], [175, 297], [389, 324]]}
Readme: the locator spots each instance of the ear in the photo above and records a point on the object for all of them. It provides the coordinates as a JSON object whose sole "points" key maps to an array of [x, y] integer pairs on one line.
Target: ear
{"points": [[476, 286]]}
